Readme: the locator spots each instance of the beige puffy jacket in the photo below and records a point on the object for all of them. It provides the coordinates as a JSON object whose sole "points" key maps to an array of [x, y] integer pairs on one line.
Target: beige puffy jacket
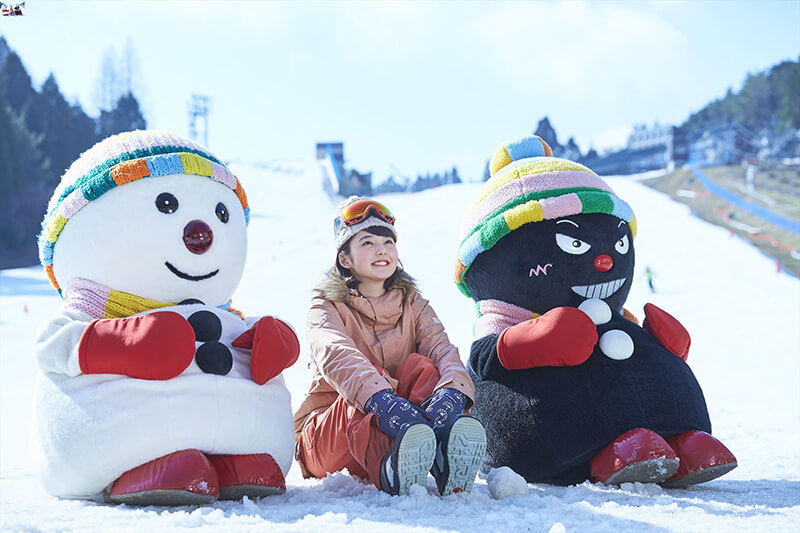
{"points": [[349, 335]]}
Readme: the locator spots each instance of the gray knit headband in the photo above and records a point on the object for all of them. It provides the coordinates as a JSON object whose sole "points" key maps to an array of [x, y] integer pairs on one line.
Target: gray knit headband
{"points": [[342, 232]]}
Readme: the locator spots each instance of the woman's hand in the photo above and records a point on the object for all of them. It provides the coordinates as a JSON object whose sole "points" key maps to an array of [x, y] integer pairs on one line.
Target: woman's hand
{"points": [[394, 413]]}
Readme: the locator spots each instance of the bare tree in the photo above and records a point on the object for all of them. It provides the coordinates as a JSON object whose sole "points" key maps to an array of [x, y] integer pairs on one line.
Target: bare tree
{"points": [[118, 77], [107, 90], [130, 69]]}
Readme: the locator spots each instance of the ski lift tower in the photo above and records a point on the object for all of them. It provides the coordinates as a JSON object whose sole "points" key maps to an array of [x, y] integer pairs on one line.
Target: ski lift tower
{"points": [[198, 108]]}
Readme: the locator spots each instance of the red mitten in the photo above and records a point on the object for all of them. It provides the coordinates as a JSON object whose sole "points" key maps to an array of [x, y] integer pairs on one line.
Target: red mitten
{"points": [[273, 345], [155, 346], [564, 336], [667, 330]]}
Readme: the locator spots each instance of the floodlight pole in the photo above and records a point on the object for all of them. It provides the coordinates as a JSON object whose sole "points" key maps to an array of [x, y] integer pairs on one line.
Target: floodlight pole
{"points": [[199, 107]]}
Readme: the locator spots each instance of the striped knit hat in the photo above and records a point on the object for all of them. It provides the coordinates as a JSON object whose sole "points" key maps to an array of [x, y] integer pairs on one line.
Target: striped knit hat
{"points": [[527, 185], [121, 159]]}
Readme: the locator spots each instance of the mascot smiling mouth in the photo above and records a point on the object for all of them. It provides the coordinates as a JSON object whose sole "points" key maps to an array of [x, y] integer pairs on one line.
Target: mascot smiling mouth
{"points": [[600, 290], [184, 275]]}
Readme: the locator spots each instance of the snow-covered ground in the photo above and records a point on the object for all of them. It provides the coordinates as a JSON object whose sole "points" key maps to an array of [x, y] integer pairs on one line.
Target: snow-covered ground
{"points": [[744, 319]]}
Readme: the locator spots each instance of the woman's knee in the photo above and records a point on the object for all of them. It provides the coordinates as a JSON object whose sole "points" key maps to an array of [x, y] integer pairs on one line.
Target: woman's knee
{"points": [[416, 364]]}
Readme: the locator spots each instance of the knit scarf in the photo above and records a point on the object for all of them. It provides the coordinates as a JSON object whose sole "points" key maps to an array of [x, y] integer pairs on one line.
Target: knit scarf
{"points": [[99, 301], [495, 315]]}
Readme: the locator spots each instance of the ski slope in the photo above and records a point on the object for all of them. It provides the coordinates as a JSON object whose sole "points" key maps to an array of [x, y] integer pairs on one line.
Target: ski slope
{"points": [[744, 319]]}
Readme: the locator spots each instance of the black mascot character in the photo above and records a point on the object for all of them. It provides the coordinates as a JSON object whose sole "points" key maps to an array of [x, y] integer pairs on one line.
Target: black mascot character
{"points": [[569, 386]]}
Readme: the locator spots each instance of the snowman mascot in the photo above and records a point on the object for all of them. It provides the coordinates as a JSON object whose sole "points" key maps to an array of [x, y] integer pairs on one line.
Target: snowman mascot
{"points": [[568, 385], [154, 390]]}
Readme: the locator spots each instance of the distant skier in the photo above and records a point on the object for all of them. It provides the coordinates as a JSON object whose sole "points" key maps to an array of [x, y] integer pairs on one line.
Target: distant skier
{"points": [[650, 275], [388, 386]]}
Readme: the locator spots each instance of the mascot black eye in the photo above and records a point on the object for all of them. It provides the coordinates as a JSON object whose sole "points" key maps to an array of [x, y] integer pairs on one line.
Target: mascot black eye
{"points": [[166, 203], [622, 245], [222, 213], [571, 245]]}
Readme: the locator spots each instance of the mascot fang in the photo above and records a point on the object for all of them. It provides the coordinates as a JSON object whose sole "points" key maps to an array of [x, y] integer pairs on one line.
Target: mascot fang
{"points": [[569, 386], [154, 391]]}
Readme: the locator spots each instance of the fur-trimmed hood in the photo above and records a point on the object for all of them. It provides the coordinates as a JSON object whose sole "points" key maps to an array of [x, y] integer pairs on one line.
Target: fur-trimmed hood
{"points": [[333, 286]]}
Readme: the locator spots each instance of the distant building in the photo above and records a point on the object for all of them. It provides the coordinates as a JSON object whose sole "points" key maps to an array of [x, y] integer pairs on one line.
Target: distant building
{"points": [[726, 144], [649, 148], [630, 161], [347, 182], [672, 138], [335, 149], [644, 137], [779, 147]]}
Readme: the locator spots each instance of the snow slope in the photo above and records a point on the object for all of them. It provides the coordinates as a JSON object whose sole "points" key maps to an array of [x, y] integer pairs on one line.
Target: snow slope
{"points": [[744, 319]]}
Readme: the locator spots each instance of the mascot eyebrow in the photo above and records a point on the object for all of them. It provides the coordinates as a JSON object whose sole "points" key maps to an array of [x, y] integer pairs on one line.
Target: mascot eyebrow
{"points": [[621, 222], [567, 221]]}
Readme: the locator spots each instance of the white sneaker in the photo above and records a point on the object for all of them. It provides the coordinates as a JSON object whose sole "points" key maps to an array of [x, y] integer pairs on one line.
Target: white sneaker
{"points": [[459, 456], [408, 460]]}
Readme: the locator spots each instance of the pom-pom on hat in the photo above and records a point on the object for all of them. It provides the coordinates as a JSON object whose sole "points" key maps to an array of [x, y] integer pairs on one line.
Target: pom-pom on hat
{"points": [[122, 159], [528, 184], [375, 214]]}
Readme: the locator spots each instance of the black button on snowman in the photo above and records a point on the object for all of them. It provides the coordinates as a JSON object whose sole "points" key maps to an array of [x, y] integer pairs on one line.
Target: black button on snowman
{"points": [[211, 356]]}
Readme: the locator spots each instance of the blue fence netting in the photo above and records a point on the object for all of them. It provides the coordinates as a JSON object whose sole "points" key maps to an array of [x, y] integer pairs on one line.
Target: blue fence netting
{"points": [[786, 224]]}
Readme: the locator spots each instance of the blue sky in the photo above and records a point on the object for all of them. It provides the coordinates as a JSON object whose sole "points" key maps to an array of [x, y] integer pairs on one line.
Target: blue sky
{"points": [[412, 86]]}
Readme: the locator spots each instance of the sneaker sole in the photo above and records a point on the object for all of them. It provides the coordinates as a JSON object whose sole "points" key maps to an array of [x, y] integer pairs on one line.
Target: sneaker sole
{"points": [[649, 471], [415, 457], [700, 476], [162, 497], [465, 450]]}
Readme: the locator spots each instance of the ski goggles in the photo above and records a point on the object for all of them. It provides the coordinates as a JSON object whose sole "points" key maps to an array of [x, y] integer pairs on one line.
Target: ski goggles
{"points": [[362, 209]]}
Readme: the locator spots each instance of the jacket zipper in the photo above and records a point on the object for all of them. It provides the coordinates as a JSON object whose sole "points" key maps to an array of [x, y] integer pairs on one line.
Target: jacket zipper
{"points": [[375, 332]]}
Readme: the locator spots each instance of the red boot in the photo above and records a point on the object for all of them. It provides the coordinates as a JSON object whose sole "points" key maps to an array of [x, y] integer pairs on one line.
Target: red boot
{"points": [[638, 455], [255, 475], [703, 458], [185, 477]]}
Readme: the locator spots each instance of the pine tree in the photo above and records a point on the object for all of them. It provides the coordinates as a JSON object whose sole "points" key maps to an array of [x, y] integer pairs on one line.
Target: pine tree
{"points": [[15, 84], [454, 177], [21, 188], [126, 116], [4, 51], [40, 135], [787, 84], [766, 100]]}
